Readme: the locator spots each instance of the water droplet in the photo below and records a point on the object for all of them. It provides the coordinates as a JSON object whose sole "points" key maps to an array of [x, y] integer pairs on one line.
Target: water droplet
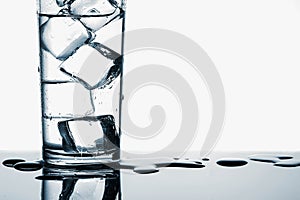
{"points": [[156, 163], [183, 164], [150, 169], [264, 158], [232, 162], [12, 162], [285, 157], [28, 166], [198, 162], [268, 158], [50, 177], [288, 163]]}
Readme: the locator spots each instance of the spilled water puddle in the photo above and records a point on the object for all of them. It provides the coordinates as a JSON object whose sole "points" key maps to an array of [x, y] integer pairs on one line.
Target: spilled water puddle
{"points": [[276, 160], [288, 163], [140, 166], [153, 165], [269, 158], [232, 162], [146, 169], [11, 162], [29, 166]]}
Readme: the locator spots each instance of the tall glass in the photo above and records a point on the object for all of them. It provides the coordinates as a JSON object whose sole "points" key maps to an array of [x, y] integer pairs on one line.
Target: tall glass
{"points": [[80, 75]]}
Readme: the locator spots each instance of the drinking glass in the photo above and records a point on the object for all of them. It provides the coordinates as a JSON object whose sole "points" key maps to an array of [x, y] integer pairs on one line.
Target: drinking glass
{"points": [[79, 75]]}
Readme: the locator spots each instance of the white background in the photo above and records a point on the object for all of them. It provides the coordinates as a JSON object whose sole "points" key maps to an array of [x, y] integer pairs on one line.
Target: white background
{"points": [[255, 45]]}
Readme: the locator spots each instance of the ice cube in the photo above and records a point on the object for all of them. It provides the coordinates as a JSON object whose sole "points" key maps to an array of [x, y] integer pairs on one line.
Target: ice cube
{"points": [[117, 3], [89, 66], [109, 129], [96, 23], [105, 51], [61, 3], [68, 142], [103, 99], [48, 7], [62, 36], [113, 73], [93, 134], [82, 7], [92, 10], [83, 132]]}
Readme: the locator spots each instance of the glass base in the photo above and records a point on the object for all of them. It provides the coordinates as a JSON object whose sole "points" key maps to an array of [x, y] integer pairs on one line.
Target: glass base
{"points": [[80, 161]]}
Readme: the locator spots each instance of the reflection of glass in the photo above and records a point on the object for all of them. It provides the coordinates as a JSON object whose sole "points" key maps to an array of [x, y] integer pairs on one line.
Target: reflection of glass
{"points": [[92, 186]]}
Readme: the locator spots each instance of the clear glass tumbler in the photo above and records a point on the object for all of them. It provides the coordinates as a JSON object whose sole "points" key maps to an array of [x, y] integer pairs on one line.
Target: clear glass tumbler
{"points": [[80, 77]]}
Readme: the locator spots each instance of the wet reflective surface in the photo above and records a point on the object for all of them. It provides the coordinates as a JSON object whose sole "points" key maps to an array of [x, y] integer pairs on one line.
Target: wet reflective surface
{"points": [[252, 175]]}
